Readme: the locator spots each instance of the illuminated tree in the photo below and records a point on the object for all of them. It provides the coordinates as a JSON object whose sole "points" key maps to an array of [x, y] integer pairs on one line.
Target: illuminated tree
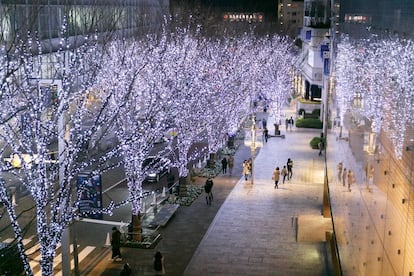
{"points": [[346, 73], [378, 70], [45, 112], [275, 57], [139, 102]]}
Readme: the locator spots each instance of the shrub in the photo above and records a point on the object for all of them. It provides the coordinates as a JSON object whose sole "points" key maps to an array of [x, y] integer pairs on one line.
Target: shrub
{"points": [[316, 112], [315, 141], [309, 123], [311, 116]]}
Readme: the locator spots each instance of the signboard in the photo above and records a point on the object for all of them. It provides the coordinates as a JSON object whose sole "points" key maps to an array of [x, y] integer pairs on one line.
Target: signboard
{"points": [[49, 89], [326, 66], [308, 35], [243, 16], [89, 195]]}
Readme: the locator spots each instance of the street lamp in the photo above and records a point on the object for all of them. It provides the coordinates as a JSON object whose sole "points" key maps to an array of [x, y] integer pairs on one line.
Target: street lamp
{"points": [[253, 144]]}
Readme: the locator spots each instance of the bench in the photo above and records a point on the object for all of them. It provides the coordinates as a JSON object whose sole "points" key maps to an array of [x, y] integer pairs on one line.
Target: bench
{"points": [[164, 215]]}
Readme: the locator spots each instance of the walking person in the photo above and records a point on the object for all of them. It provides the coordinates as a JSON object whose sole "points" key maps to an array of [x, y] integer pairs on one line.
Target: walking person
{"points": [[369, 174], [287, 124], [159, 266], [276, 177], [289, 165], [351, 179], [230, 164], [266, 134], [224, 165], [320, 147], [344, 174], [291, 122], [284, 173], [245, 169], [250, 167], [340, 167], [208, 187], [116, 244]]}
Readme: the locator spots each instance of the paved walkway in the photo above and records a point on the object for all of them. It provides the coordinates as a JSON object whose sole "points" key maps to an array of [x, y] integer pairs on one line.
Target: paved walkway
{"points": [[250, 229], [258, 230], [254, 229]]}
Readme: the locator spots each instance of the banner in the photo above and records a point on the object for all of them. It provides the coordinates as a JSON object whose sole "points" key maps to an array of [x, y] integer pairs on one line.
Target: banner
{"points": [[89, 195]]}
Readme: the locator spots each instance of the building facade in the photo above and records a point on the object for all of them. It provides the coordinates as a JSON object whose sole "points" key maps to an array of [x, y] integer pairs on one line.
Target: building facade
{"points": [[290, 16]]}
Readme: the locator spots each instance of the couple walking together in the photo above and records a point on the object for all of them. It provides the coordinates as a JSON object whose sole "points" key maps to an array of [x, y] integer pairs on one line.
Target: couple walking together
{"points": [[286, 172]]}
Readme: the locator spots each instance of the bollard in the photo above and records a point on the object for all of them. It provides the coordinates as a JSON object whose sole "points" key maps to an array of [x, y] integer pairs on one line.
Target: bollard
{"points": [[154, 199], [14, 200], [108, 240]]}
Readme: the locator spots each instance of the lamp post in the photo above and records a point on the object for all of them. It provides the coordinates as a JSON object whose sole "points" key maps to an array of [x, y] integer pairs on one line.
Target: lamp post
{"points": [[253, 144], [327, 56]]}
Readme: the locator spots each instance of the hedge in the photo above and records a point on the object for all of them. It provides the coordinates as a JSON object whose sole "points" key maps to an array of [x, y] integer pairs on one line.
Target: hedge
{"points": [[309, 123], [315, 141]]}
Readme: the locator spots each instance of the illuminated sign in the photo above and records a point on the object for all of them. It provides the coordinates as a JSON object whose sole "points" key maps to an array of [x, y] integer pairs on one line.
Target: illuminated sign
{"points": [[358, 18], [243, 17]]}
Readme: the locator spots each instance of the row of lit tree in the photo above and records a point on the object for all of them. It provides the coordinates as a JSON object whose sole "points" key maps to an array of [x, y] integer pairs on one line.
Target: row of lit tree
{"points": [[378, 70], [135, 89]]}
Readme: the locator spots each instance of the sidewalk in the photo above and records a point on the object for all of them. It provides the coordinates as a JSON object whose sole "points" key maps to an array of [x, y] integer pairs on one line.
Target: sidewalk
{"points": [[260, 230], [182, 234], [250, 229]]}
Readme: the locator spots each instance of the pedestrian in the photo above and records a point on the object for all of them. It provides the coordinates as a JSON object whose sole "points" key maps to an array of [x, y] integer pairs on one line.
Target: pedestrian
{"points": [[344, 173], [230, 163], [208, 187], [276, 177], [340, 167], [266, 134], [287, 123], [245, 169], [289, 165], [264, 122], [284, 173], [250, 166], [116, 244], [351, 179], [126, 271], [291, 122], [159, 266], [320, 147], [369, 174], [224, 165]]}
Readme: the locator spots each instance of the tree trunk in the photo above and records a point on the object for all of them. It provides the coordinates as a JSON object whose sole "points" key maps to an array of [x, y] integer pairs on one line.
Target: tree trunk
{"points": [[212, 161], [183, 186], [136, 234]]}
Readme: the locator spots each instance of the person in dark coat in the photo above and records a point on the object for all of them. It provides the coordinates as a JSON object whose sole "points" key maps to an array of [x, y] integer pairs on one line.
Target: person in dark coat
{"points": [[266, 134], [159, 264], [289, 165], [208, 187], [116, 244], [224, 165]]}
